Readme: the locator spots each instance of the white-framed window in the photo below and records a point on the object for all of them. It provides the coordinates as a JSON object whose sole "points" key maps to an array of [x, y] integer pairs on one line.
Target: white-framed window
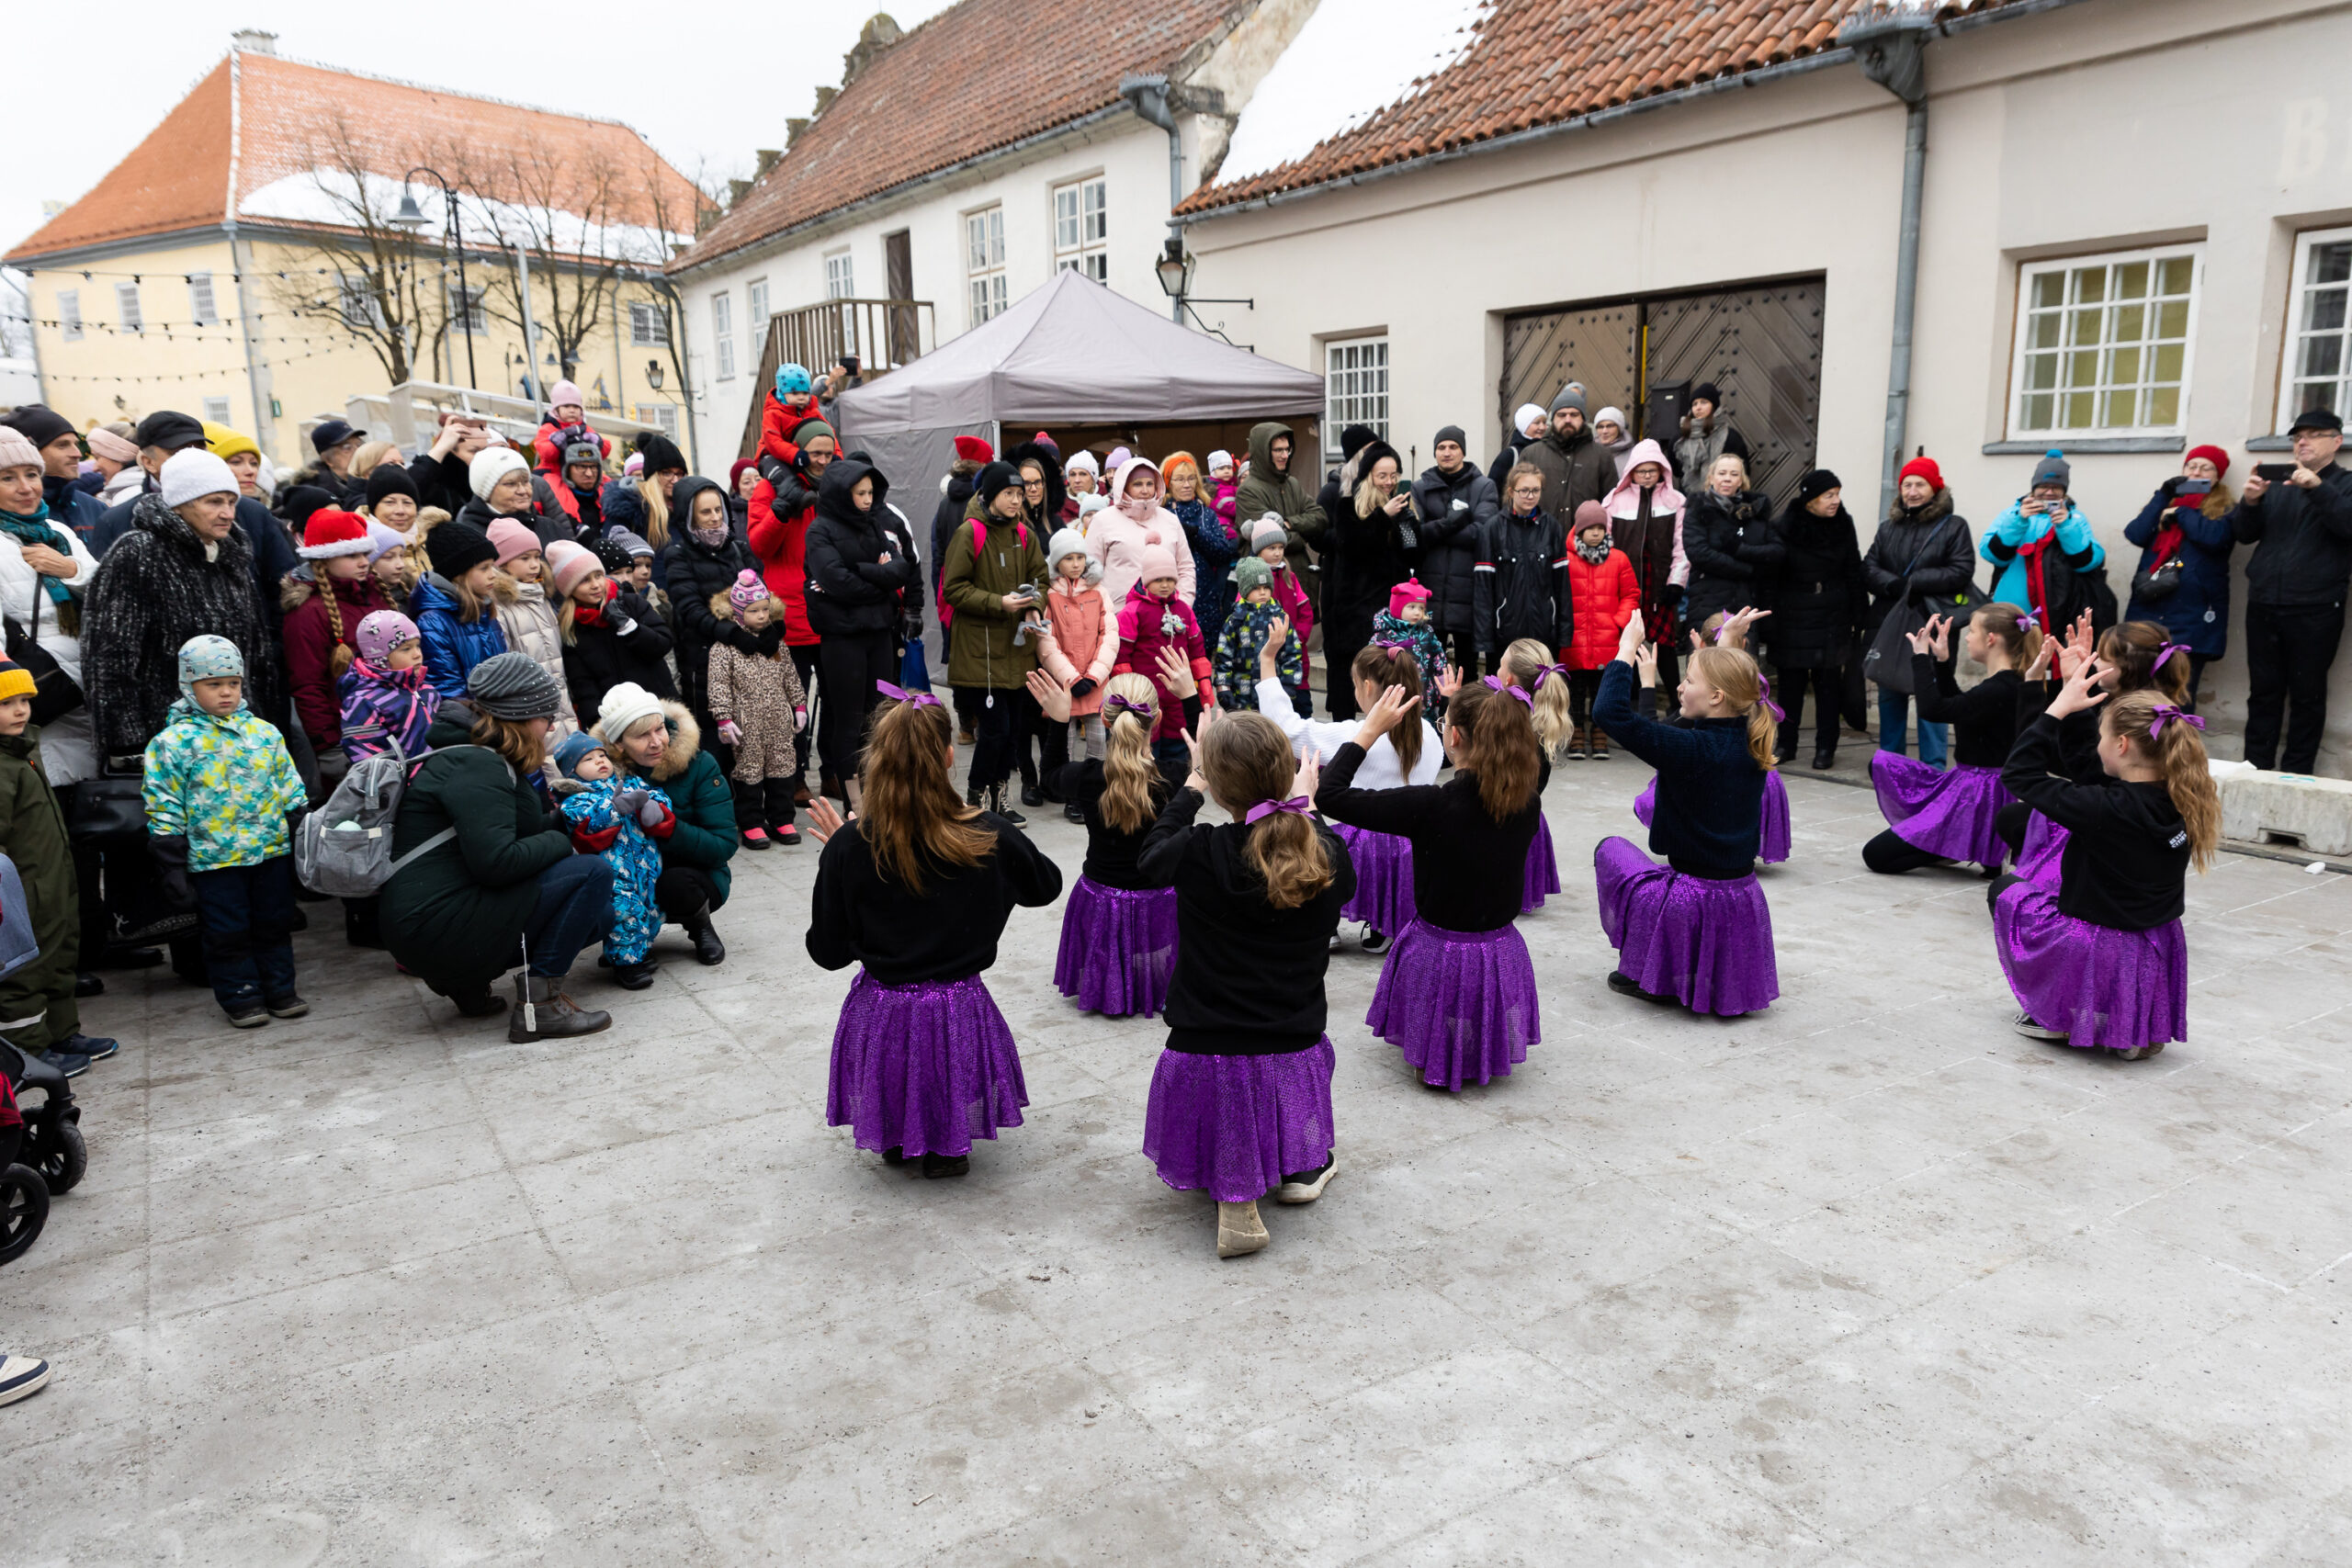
{"points": [[722, 333], [467, 313], [1355, 384], [356, 303], [126, 300], [200, 309], [69, 314], [840, 281], [663, 416], [216, 410], [984, 262], [1083, 227], [648, 327], [2103, 344], [2318, 372]]}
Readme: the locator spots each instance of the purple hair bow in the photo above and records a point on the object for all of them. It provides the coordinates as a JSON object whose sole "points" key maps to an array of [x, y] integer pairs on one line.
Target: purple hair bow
{"points": [[1297, 805], [1548, 671], [2167, 714], [2170, 649], [920, 699], [1394, 645], [1497, 683], [1764, 695], [2030, 618], [1116, 703]]}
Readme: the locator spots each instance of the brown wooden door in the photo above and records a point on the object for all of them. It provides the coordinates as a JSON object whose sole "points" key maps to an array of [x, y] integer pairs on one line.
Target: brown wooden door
{"points": [[1545, 352], [1761, 347], [898, 275]]}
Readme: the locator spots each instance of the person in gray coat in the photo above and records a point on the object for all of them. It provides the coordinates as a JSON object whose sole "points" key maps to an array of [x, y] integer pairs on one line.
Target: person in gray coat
{"points": [[1452, 504]]}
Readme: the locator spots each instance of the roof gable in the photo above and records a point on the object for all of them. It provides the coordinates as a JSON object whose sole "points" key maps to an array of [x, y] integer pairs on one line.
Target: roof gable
{"points": [[178, 178], [1531, 63], [977, 77]]}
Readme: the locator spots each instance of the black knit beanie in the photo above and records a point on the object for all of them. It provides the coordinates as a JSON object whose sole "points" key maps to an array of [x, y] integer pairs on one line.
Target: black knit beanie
{"points": [[455, 548]]}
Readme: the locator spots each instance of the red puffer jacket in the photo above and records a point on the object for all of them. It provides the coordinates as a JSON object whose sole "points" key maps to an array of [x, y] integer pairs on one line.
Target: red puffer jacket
{"points": [[1606, 597], [1143, 632]]}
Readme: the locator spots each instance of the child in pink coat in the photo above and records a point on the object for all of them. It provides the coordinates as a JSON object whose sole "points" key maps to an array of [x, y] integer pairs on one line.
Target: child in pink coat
{"points": [[1079, 645], [1225, 489], [1153, 619]]}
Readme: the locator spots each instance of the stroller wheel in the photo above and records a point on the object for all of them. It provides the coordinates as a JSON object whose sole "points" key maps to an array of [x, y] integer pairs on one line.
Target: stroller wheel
{"points": [[23, 1209], [61, 1166]]}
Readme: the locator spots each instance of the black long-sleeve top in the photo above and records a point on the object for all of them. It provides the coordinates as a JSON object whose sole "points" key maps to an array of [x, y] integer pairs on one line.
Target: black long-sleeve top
{"points": [[2127, 848], [1249, 977], [2077, 732], [1111, 852], [1710, 813], [1984, 719], [1469, 870], [948, 932]]}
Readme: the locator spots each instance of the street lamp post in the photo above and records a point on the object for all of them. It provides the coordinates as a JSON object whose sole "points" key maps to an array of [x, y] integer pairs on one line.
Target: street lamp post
{"points": [[411, 218], [1174, 269]]}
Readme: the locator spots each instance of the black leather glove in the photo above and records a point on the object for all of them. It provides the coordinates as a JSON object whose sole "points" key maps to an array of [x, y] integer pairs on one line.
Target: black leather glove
{"points": [[170, 855], [1082, 687]]}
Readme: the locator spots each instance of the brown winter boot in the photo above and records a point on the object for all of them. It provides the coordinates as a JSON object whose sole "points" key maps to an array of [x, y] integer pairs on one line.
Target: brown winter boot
{"points": [[1599, 745], [543, 1012]]}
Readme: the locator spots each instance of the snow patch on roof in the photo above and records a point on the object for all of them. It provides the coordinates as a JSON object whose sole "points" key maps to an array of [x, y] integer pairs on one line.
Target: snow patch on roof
{"points": [[329, 196], [1353, 59]]}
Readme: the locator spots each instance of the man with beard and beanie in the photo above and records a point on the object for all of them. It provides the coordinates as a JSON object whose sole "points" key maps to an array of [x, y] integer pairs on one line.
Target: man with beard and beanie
{"points": [[184, 570], [1706, 435], [1453, 504], [51, 435], [1273, 485], [1575, 467]]}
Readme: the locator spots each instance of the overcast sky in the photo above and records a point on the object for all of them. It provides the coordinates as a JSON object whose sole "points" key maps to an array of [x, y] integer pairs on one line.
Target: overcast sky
{"points": [[707, 88]]}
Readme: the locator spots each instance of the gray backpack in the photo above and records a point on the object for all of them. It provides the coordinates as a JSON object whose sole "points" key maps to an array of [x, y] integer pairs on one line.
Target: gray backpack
{"points": [[345, 847]]}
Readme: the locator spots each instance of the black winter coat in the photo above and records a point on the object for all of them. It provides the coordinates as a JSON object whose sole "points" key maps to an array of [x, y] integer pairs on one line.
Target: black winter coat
{"points": [[1523, 587], [153, 591], [1818, 602], [1363, 557], [949, 515], [1933, 543], [2302, 541], [1734, 553], [1452, 512], [628, 644], [696, 572], [851, 590]]}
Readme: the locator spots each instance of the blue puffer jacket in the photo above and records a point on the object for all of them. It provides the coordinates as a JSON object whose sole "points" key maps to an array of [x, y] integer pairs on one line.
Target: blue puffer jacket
{"points": [[2074, 551], [452, 647], [2197, 616]]}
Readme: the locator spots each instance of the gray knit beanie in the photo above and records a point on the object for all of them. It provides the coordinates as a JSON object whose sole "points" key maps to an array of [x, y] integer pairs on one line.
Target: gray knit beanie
{"points": [[1571, 397], [512, 686], [2052, 471]]}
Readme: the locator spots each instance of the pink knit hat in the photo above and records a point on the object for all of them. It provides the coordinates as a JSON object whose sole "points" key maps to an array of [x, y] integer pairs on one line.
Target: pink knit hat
{"points": [[746, 590], [105, 444], [1408, 592], [1159, 562], [568, 563], [510, 539]]}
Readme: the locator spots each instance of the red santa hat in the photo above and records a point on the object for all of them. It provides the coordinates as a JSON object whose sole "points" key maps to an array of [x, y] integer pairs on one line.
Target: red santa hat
{"points": [[972, 450], [334, 532]]}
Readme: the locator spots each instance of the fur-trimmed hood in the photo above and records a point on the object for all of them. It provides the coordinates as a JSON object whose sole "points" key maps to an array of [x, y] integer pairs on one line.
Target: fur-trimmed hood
{"points": [[685, 743], [1935, 510]]}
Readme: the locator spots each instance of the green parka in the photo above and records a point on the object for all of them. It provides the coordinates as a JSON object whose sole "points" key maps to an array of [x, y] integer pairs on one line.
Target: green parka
{"points": [[454, 913], [1263, 490], [32, 834], [705, 836], [980, 651]]}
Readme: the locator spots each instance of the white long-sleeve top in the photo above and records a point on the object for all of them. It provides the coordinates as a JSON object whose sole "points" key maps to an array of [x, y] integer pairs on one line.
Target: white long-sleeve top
{"points": [[1379, 771]]}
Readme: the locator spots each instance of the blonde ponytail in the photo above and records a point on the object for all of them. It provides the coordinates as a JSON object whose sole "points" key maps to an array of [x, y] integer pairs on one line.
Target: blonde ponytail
{"points": [[1128, 771], [1527, 664], [2162, 733], [1735, 674]]}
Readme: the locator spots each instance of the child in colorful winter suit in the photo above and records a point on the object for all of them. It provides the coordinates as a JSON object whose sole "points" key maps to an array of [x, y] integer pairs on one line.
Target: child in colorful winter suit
{"points": [[1151, 619], [1406, 620], [386, 698], [621, 824], [759, 704], [219, 785], [1247, 627], [1225, 489]]}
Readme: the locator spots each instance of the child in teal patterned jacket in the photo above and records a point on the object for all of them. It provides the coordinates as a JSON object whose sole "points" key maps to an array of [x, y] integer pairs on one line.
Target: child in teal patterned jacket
{"points": [[219, 785]]}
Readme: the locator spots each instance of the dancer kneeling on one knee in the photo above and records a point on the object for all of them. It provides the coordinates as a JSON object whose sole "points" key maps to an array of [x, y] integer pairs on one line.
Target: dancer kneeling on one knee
{"points": [[2102, 963], [1241, 1099], [1551, 699], [1457, 993], [1695, 931], [1118, 930], [1729, 630], [1936, 816], [918, 890]]}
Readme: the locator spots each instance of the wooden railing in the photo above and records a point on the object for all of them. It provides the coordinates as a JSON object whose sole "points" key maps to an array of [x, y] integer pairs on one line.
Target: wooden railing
{"points": [[883, 334]]}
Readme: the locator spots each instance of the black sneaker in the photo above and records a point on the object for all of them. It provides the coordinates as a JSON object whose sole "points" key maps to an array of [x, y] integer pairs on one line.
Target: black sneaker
{"points": [[253, 1015], [1376, 941], [97, 1047], [939, 1167], [72, 1064], [1307, 1185], [635, 977], [288, 1006], [1076, 813], [2025, 1024], [1032, 797], [1624, 985], [895, 1155], [88, 984]]}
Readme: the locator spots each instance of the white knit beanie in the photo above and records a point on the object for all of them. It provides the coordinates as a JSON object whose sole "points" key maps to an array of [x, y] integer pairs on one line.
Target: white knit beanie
{"points": [[622, 706], [192, 471], [1065, 542], [491, 464], [1528, 414]]}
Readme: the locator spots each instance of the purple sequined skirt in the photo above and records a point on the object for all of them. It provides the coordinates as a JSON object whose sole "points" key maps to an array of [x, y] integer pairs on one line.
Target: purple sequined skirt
{"points": [[1461, 1005], [1118, 947], [1772, 827], [1946, 812], [2103, 986], [1384, 863], [1237, 1125], [1542, 868], [2042, 858], [1707, 944], [926, 1068]]}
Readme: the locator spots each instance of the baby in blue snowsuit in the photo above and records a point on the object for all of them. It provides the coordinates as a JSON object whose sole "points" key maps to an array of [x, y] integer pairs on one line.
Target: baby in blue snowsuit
{"points": [[619, 819]]}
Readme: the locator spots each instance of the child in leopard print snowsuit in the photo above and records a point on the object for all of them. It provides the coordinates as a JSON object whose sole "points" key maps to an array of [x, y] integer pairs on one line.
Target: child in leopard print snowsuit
{"points": [[759, 705]]}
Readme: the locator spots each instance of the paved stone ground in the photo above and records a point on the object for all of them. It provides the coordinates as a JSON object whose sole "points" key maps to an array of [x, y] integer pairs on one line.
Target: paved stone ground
{"points": [[1866, 1280]]}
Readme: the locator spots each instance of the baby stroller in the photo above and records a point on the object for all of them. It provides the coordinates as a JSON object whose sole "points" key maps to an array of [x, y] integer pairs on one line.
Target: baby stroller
{"points": [[42, 1152]]}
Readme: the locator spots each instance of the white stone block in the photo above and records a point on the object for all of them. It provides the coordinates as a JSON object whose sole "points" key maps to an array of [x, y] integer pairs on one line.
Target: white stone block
{"points": [[2260, 807]]}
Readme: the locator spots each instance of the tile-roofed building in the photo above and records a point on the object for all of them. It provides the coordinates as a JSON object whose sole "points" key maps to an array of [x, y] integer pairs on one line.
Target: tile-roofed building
{"points": [[1527, 64]]}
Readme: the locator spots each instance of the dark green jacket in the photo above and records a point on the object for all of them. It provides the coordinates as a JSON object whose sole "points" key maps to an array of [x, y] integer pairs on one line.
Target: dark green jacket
{"points": [[32, 834], [980, 651], [454, 913], [1263, 490], [705, 835]]}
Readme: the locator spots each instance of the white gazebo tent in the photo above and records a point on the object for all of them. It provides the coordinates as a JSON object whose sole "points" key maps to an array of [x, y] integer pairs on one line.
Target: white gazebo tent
{"points": [[1071, 353]]}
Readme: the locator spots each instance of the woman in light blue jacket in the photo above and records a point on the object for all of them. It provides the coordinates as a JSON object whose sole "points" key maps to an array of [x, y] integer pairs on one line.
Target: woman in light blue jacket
{"points": [[2040, 544]]}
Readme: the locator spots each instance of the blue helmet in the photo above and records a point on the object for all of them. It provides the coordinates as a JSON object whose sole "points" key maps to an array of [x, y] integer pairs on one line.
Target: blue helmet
{"points": [[791, 378]]}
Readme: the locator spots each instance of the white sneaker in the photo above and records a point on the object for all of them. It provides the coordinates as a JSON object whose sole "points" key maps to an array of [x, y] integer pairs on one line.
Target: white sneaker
{"points": [[1307, 1185], [21, 1375], [1337, 945], [2024, 1024], [1240, 1229]]}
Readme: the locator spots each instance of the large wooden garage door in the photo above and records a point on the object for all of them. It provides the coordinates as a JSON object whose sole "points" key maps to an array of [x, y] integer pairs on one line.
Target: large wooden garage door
{"points": [[1761, 344]]}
